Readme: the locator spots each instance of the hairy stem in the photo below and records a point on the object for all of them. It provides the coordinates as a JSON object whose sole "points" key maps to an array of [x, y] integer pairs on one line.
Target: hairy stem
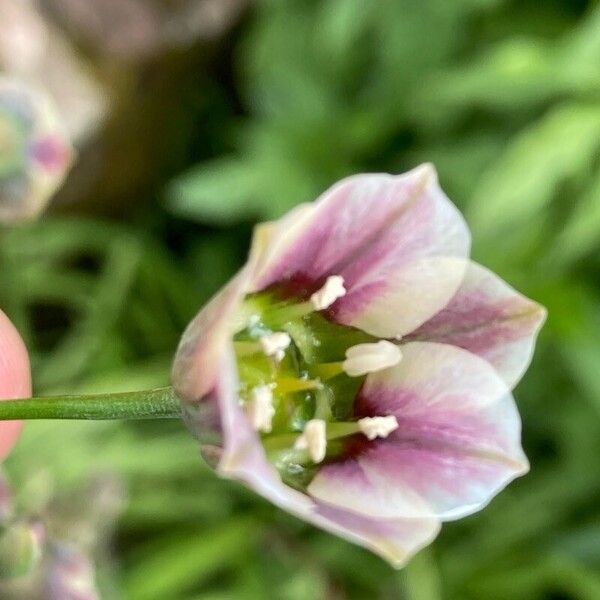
{"points": [[148, 404]]}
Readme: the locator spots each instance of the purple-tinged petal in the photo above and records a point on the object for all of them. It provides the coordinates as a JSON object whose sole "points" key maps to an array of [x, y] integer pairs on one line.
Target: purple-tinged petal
{"points": [[239, 454], [457, 444], [379, 232], [396, 540], [200, 370], [243, 458], [490, 319], [204, 370], [391, 303], [242, 455], [196, 369]]}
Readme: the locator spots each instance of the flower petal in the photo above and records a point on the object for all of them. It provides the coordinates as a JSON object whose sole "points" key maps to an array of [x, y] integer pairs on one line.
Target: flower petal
{"points": [[368, 228], [196, 368], [396, 540], [392, 303], [199, 372], [489, 318], [243, 458], [15, 379], [457, 444], [205, 375]]}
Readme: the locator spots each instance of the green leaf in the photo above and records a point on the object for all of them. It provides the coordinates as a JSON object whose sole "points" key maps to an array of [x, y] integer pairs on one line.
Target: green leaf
{"points": [[521, 184], [580, 234], [223, 191], [186, 558]]}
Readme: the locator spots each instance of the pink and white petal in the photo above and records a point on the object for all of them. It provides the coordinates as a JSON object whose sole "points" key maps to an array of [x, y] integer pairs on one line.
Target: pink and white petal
{"points": [[199, 373], [491, 319], [370, 222], [243, 458], [196, 368], [457, 444], [395, 540], [282, 248], [348, 485], [398, 301], [197, 365]]}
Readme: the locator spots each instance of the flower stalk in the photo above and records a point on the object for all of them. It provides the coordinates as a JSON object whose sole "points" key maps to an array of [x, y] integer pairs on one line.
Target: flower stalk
{"points": [[161, 403]]}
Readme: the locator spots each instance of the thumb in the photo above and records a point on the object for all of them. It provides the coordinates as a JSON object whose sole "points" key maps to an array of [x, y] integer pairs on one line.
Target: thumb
{"points": [[15, 379]]}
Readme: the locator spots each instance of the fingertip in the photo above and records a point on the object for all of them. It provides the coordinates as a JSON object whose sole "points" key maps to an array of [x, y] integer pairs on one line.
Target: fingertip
{"points": [[15, 378]]}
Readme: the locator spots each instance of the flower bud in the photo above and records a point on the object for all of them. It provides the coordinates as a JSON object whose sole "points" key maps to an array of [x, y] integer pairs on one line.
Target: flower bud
{"points": [[35, 153], [20, 549]]}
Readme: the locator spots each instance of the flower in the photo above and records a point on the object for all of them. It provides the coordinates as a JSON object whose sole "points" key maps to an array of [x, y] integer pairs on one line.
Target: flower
{"points": [[390, 409], [15, 379], [35, 154]]}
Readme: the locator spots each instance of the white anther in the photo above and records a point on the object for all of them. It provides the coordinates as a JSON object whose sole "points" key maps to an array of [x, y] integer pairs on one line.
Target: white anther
{"points": [[329, 293], [274, 344], [313, 439], [374, 427], [368, 358], [259, 408]]}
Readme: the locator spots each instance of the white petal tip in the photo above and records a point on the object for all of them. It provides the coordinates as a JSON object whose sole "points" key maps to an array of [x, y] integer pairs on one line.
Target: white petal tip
{"points": [[370, 358], [329, 293], [426, 172]]}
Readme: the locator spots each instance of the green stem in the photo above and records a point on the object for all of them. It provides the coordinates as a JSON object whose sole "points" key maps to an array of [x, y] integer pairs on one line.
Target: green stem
{"points": [[147, 404]]}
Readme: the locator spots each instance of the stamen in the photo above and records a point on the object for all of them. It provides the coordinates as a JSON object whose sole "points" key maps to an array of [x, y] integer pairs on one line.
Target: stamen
{"points": [[325, 371], [260, 409], [369, 358], [374, 427], [313, 439], [329, 293], [274, 344], [323, 400], [286, 385]]}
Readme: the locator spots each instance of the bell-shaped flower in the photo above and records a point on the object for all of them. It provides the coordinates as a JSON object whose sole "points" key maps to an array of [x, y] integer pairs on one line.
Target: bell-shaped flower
{"points": [[35, 153], [357, 370]]}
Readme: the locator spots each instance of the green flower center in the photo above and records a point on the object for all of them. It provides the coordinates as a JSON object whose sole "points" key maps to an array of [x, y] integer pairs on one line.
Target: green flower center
{"points": [[303, 379]]}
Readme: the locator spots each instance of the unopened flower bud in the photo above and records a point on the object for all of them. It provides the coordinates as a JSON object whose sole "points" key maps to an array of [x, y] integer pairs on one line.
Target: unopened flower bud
{"points": [[20, 549], [35, 153]]}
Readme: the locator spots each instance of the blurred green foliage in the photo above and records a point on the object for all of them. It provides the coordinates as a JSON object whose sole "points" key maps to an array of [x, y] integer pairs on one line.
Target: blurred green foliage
{"points": [[504, 97]]}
